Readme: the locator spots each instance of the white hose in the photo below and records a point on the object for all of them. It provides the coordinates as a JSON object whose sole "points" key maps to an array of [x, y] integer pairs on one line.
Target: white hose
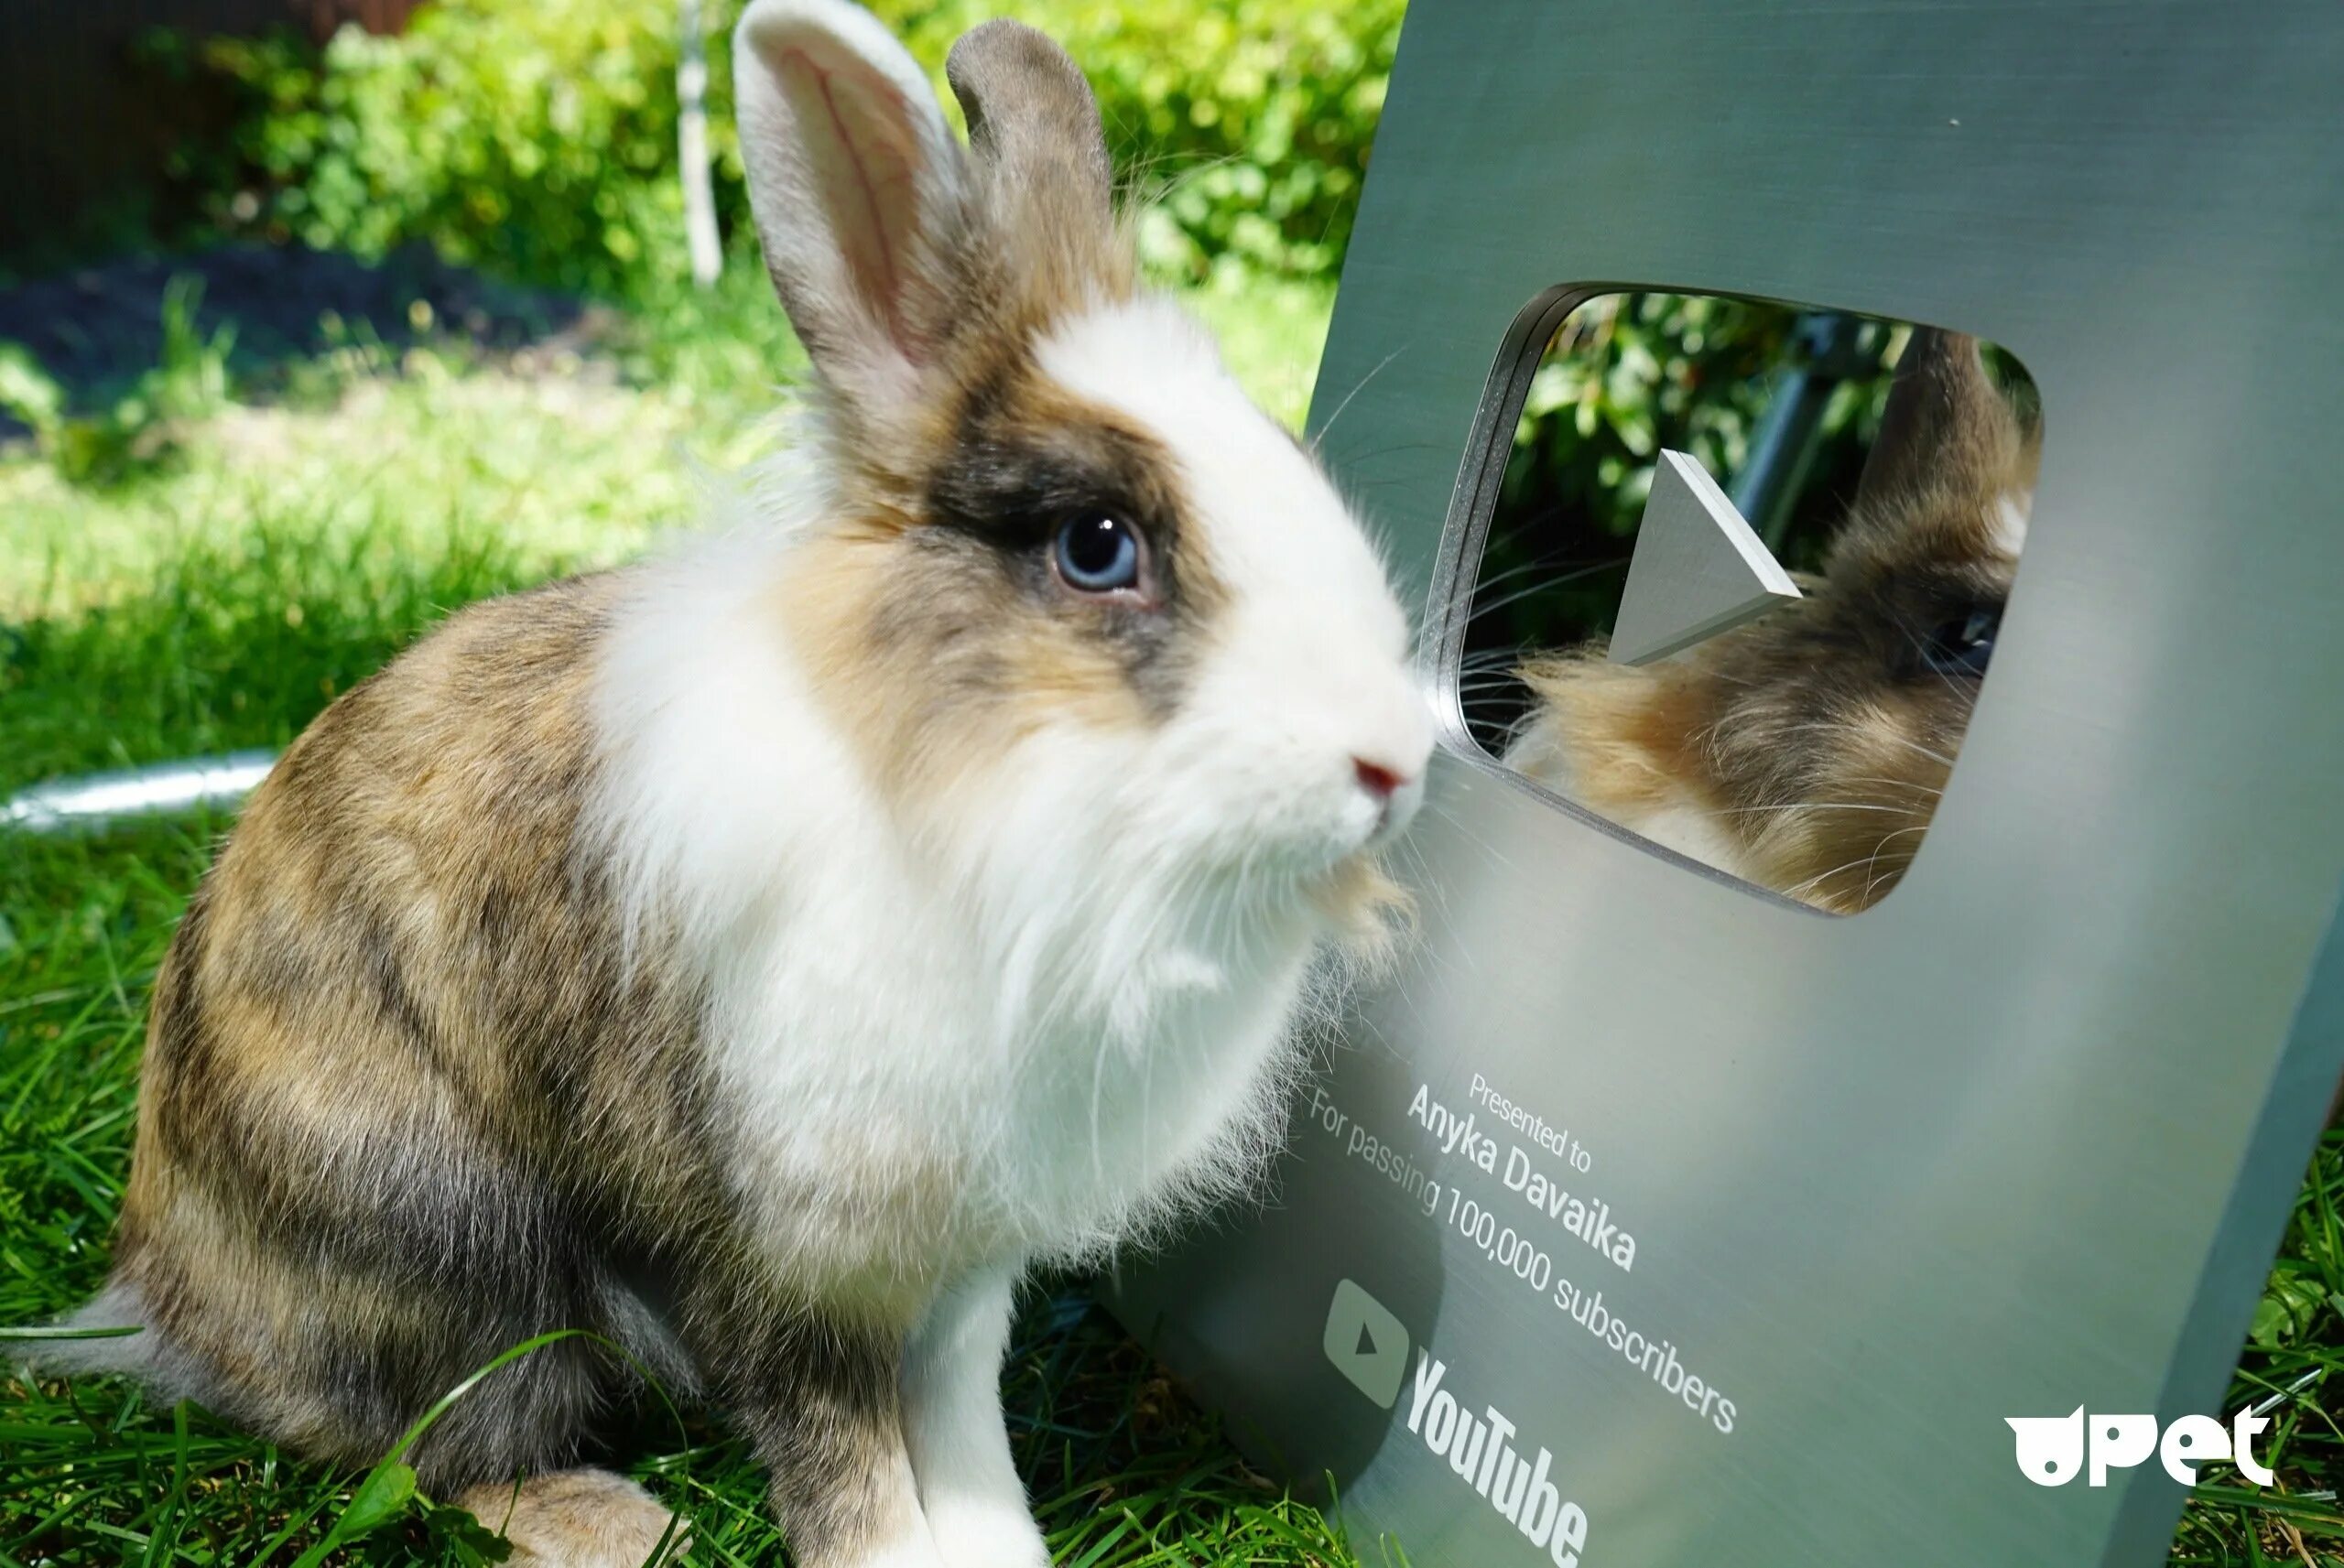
{"points": [[92, 799]]}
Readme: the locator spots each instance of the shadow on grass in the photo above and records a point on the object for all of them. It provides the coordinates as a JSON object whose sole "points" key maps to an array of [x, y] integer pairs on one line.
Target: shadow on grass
{"points": [[96, 329]]}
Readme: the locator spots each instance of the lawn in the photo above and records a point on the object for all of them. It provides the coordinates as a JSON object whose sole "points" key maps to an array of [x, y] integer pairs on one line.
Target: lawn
{"points": [[266, 533]]}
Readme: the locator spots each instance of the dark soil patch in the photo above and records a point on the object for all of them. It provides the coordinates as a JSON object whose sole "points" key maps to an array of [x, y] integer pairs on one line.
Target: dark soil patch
{"points": [[97, 328]]}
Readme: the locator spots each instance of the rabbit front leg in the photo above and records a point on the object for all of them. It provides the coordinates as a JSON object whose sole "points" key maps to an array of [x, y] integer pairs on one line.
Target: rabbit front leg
{"points": [[821, 1404], [968, 1487]]}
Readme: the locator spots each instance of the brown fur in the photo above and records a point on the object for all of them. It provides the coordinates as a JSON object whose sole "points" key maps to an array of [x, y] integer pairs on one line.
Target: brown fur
{"points": [[928, 586], [381, 1082], [1371, 914], [1044, 165], [947, 596], [575, 1518], [1818, 741], [399, 1114], [1042, 243]]}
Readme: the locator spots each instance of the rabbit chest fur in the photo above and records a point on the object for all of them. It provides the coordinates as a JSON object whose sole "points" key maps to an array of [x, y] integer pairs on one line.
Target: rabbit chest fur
{"points": [[1032, 1042]]}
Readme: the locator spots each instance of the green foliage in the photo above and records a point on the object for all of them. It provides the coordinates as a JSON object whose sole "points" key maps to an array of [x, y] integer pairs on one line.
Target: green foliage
{"points": [[28, 392], [536, 140], [539, 141], [1629, 374], [1254, 116]]}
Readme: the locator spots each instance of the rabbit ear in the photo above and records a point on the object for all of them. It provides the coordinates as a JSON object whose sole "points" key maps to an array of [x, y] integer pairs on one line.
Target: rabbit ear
{"points": [[1032, 117], [1034, 127], [1945, 419], [860, 192]]}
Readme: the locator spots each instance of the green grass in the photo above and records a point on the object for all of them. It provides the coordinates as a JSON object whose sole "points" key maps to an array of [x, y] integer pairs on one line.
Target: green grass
{"points": [[274, 555]]}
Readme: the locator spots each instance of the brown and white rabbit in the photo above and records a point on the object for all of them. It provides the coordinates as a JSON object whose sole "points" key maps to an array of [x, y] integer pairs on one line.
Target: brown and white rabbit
{"points": [[1806, 751], [762, 956]]}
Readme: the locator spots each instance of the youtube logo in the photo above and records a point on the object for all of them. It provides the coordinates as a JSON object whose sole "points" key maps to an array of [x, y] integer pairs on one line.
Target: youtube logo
{"points": [[1366, 1343]]}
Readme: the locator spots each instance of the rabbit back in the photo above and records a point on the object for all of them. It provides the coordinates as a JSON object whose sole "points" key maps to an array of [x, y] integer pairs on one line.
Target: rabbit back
{"points": [[403, 1104]]}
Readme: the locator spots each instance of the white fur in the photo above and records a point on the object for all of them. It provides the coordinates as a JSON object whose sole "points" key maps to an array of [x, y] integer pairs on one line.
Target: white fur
{"points": [[915, 1548], [952, 1429], [2010, 521], [908, 1102], [1302, 673], [1035, 1027], [1021, 1040]]}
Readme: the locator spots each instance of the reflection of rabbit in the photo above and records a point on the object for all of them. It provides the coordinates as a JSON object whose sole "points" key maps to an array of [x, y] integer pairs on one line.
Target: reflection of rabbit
{"points": [[758, 957], [1806, 751]]}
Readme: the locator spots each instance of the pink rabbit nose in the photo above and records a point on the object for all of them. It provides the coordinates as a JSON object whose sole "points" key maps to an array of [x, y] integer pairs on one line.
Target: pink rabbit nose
{"points": [[1379, 781]]}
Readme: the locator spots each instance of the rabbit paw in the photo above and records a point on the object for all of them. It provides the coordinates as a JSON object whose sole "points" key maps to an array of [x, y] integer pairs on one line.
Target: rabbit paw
{"points": [[577, 1518], [987, 1535]]}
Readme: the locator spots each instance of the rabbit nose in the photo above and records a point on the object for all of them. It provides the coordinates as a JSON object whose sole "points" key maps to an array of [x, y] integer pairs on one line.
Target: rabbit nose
{"points": [[1379, 781]]}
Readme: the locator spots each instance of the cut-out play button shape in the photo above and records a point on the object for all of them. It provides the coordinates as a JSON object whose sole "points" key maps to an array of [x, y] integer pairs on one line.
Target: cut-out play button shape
{"points": [[1698, 569], [1366, 1343]]}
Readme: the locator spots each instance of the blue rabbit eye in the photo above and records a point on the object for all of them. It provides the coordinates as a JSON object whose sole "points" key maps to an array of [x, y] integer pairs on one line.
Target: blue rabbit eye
{"points": [[1097, 554], [1965, 647]]}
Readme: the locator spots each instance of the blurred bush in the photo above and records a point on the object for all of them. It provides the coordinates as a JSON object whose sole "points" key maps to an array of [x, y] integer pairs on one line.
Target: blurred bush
{"points": [[539, 139]]}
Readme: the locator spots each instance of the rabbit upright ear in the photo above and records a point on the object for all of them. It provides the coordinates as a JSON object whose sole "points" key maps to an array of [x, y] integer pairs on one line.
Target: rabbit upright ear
{"points": [[1032, 117], [861, 194], [1041, 154], [1945, 419]]}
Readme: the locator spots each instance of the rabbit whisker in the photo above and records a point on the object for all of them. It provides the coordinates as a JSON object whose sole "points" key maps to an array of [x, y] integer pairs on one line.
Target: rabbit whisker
{"points": [[1518, 595], [1901, 784], [1357, 387], [1817, 806]]}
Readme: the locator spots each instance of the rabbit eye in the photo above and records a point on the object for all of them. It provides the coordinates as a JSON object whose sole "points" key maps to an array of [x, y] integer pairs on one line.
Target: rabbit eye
{"points": [[1965, 645], [1096, 552]]}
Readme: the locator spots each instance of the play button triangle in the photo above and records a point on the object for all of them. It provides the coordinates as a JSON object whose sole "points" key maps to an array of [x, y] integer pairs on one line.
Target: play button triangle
{"points": [[1698, 569]]}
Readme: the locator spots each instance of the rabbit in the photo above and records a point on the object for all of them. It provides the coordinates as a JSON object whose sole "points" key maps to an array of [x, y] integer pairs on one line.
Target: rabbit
{"points": [[1806, 751], [761, 956]]}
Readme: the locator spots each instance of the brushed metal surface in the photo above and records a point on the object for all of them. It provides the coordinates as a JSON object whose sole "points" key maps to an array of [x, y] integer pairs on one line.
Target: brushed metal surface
{"points": [[2024, 1136]]}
